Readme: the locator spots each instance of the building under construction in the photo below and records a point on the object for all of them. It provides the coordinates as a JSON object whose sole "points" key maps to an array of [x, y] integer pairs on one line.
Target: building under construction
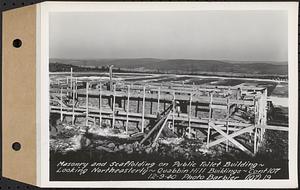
{"points": [[216, 114]]}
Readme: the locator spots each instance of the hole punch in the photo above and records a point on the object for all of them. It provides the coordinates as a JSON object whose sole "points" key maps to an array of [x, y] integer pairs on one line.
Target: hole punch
{"points": [[17, 43], [16, 146]]}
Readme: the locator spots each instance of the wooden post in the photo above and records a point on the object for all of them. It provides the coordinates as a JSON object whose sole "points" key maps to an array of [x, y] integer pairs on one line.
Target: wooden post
{"points": [[209, 118], [128, 103], [76, 93], [114, 106], [110, 77], [158, 100], [61, 105], [265, 96], [255, 140], [173, 114], [87, 104], [138, 106], [151, 103], [143, 109], [71, 80], [190, 114], [255, 129], [227, 122], [73, 105], [100, 105]]}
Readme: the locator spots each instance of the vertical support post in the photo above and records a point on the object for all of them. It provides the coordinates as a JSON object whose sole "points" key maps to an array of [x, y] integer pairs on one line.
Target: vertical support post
{"points": [[255, 140], [209, 118], [190, 114], [114, 107], [71, 79], [87, 104], [73, 106], [76, 93], [158, 100], [227, 122], [255, 129], [151, 102], [61, 105], [110, 77], [173, 114], [100, 105], [128, 103], [143, 109], [265, 97], [138, 106]]}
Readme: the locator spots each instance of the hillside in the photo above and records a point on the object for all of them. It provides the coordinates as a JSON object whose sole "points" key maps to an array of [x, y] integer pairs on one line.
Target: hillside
{"points": [[181, 66]]}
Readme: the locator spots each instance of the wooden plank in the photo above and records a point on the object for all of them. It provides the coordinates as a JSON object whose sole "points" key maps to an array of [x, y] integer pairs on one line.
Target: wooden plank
{"points": [[216, 106], [273, 127], [165, 97], [202, 121]]}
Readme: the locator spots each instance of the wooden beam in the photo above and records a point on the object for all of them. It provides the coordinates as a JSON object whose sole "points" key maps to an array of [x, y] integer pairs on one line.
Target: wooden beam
{"points": [[273, 127], [217, 106], [165, 97]]}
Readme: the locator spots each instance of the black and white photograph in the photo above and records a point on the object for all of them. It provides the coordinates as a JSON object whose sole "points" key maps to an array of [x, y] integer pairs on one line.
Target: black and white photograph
{"points": [[169, 95]]}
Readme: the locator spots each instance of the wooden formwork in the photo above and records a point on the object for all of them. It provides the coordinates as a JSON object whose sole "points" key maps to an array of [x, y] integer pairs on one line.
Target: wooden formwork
{"points": [[177, 105]]}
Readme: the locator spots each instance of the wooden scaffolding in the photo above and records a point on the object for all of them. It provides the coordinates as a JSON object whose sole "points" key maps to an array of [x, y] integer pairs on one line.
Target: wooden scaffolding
{"points": [[185, 109]]}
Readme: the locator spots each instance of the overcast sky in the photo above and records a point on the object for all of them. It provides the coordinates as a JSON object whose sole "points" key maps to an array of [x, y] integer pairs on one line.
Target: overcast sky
{"points": [[219, 35]]}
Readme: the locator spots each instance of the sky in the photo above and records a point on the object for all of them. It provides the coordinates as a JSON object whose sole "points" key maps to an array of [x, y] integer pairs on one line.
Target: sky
{"points": [[206, 35]]}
